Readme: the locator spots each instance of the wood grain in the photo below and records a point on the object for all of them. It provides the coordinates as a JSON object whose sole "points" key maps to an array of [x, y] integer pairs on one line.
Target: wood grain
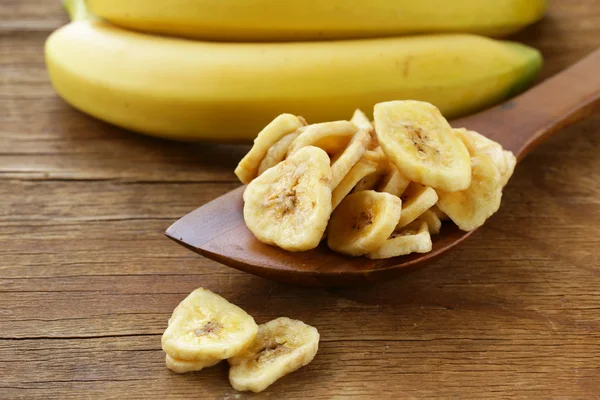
{"points": [[87, 279]]}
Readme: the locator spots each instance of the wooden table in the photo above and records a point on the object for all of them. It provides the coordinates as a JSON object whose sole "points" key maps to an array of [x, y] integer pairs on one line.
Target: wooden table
{"points": [[87, 279]]}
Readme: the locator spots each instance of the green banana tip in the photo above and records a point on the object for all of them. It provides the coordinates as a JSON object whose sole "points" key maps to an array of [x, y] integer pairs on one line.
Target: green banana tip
{"points": [[533, 62], [76, 9]]}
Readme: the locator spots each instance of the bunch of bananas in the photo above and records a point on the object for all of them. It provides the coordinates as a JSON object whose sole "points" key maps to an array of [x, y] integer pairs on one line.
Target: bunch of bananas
{"points": [[220, 70]]}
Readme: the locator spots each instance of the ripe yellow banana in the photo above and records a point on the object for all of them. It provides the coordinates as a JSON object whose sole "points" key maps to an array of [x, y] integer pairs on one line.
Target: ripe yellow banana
{"points": [[276, 20], [191, 90]]}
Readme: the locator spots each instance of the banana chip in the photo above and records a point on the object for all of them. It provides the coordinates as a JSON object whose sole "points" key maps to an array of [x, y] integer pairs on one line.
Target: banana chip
{"points": [[418, 200], [277, 152], [206, 327], [434, 224], [329, 136], [371, 181], [184, 366], [511, 163], [360, 119], [349, 157], [477, 144], [282, 346], [363, 221], [378, 157], [283, 125], [412, 239], [394, 182], [470, 208], [420, 142], [289, 205], [360, 170]]}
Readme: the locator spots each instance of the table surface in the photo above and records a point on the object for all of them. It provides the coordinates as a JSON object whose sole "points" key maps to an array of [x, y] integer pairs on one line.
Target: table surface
{"points": [[87, 279]]}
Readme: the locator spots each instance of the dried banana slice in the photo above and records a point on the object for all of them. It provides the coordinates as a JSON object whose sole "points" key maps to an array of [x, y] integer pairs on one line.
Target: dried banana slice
{"points": [[418, 139], [205, 326], [283, 125], [363, 221], [289, 205], [361, 169], [476, 143], [471, 207], [349, 157], [412, 239], [511, 163], [183, 366], [277, 152], [371, 181], [394, 182], [329, 136], [417, 200], [360, 119], [434, 224], [281, 347], [377, 156]]}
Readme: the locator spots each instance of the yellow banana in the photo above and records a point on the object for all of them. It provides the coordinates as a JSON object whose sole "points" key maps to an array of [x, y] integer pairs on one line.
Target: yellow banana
{"points": [[276, 20], [191, 90]]}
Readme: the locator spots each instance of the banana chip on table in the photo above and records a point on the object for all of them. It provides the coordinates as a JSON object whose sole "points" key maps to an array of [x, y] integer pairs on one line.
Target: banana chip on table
{"points": [[204, 328], [411, 239], [184, 366], [363, 221], [420, 142], [470, 208], [289, 204], [281, 346], [281, 126]]}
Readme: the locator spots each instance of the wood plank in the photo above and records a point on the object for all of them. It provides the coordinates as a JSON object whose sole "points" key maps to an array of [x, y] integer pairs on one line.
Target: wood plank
{"points": [[445, 368], [564, 314], [24, 15], [104, 200]]}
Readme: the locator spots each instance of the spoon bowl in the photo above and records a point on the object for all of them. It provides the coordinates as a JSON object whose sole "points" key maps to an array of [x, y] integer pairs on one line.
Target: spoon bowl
{"points": [[217, 230]]}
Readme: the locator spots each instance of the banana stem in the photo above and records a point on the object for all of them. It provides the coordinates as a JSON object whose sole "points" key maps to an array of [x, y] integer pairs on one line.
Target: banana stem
{"points": [[77, 9]]}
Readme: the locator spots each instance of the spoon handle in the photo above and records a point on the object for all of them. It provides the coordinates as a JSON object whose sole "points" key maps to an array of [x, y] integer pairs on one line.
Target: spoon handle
{"points": [[522, 123]]}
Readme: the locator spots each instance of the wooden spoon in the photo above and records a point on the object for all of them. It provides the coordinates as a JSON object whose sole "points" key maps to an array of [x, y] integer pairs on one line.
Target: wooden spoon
{"points": [[217, 229]]}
